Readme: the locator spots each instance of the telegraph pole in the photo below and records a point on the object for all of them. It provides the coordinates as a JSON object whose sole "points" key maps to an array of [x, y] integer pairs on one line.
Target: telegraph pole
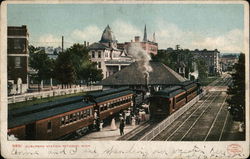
{"points": [[62, 43]]}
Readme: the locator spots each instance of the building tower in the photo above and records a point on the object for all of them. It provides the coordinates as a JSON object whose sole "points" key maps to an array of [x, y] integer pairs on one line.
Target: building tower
{"points": [[145, 39]]}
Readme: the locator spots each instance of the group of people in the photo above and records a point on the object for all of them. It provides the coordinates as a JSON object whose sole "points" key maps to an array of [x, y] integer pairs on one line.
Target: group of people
{"points": [[130, 118]]}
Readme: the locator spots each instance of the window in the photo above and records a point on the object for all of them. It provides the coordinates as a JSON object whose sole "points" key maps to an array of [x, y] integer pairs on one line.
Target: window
{"points": [[99, 65], [71, 118], [77, 115], [99, 54], [93, 54], [17, 44], [49, 126], [63, 120], [88, 112], [66, 119], [81, 115], [74, 117], [180, 98], [17, 62], [106, 54]]}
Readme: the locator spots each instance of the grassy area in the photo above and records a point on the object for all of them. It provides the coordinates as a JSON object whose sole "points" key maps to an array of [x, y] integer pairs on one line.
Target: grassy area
{"points": [[43, 100], [208, 80]]}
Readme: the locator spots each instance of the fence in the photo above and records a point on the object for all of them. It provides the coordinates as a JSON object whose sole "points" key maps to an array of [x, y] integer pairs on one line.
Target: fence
{"points": [[58, 92], [165, 123]]}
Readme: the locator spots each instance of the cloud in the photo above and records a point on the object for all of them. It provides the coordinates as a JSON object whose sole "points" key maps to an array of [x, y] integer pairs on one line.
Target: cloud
{"points": [[169, 35], [232, 41], [91, 34], [125, 31], [48, 40]]}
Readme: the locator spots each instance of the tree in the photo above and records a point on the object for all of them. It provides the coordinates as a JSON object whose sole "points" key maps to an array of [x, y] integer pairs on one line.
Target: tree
{"points": [[236, 91], [173, 58], [41, 63], [75, 65], [64, 69], [202, 69]]}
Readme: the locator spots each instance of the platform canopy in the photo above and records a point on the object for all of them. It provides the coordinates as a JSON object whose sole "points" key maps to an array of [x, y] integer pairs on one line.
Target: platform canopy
{"points": [[132, 75]]}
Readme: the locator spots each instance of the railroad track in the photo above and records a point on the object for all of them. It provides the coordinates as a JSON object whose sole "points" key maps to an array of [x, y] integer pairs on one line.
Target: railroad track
{"points": [[141, 130], [189, 125]]}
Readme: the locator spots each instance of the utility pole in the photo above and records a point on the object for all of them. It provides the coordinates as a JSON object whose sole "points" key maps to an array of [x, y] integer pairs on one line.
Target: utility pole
{"points": [[62, 42]]}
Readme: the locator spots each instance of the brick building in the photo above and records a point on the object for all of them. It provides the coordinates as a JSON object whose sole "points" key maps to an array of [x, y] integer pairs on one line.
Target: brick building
{"points": [[211, 57], [17, 52], [151, 47]]}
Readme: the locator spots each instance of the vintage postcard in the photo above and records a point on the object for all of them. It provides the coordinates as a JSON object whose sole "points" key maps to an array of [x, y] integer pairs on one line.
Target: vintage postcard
{"points": [[124, 79]]}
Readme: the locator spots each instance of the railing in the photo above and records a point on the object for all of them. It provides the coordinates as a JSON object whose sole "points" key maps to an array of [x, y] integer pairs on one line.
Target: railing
{"points": [[165, 123], [45, 94]]}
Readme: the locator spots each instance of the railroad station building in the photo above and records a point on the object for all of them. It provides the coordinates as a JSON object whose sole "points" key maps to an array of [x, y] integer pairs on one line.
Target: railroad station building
{"points": [[17, 53], [162, 76], [106, 54]]}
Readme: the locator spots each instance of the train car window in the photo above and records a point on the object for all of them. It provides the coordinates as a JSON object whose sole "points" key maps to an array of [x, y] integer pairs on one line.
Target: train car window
{"points": [[66, 119], [77, 115], [49, 126], [84, 114], [108, 105], [180, 98], [62, 120], [105, 107], [70, 117], [81, 115], [74, 117], [88, 112]]}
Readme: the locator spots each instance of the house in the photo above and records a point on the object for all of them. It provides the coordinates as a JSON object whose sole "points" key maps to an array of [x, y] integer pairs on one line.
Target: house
{"points": [[106, 54]]}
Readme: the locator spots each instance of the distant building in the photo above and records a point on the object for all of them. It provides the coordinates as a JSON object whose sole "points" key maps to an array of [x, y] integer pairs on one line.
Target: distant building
{"points": [[106, 54], [51, 51], [227, 62], [17, 51], [151, 47], [211, 58]]}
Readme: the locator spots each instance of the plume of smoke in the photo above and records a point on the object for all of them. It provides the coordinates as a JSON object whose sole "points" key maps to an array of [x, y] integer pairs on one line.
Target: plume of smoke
{"points": [[142, 57]]}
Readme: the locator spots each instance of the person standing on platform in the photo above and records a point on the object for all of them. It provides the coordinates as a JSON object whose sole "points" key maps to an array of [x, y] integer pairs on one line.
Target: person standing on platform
{"points": [[122, 125]]}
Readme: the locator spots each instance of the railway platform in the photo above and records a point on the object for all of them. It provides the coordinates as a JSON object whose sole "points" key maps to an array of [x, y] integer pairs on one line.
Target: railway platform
{"points": [[107, 134]]}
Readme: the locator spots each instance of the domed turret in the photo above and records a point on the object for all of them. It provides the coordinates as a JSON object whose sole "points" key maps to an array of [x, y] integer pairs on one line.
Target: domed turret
{"points": [[108, 37]]}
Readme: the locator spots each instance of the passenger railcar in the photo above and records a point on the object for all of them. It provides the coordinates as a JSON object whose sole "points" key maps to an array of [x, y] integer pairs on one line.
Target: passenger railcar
{"points": [[54, 120], [166, 101]]}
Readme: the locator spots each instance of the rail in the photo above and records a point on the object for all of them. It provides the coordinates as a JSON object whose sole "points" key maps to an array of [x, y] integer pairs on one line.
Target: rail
{"points": [[165, 123], [46, 94]]}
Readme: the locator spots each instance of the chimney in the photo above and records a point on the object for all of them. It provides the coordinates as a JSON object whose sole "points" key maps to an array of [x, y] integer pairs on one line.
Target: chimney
{"points": [[85, 44], [137, 38]]}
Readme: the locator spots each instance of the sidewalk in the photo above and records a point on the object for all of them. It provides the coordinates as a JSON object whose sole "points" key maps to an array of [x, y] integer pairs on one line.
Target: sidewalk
{"points": [[108, 134]]}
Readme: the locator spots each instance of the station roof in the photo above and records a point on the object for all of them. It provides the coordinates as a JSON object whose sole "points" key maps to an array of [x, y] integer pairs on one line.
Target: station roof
{"points": [[132, 75]]}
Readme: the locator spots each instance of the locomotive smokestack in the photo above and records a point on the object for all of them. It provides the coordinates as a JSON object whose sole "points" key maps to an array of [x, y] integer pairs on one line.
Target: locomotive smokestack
{"points": [[146, 81]]}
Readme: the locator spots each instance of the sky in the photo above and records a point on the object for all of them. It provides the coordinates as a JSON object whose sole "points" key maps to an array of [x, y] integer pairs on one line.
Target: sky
{"points": [[192, 26]]}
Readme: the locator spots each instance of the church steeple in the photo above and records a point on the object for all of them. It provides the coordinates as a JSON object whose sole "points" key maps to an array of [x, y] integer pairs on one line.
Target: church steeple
{"points": [[145, 34]]}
